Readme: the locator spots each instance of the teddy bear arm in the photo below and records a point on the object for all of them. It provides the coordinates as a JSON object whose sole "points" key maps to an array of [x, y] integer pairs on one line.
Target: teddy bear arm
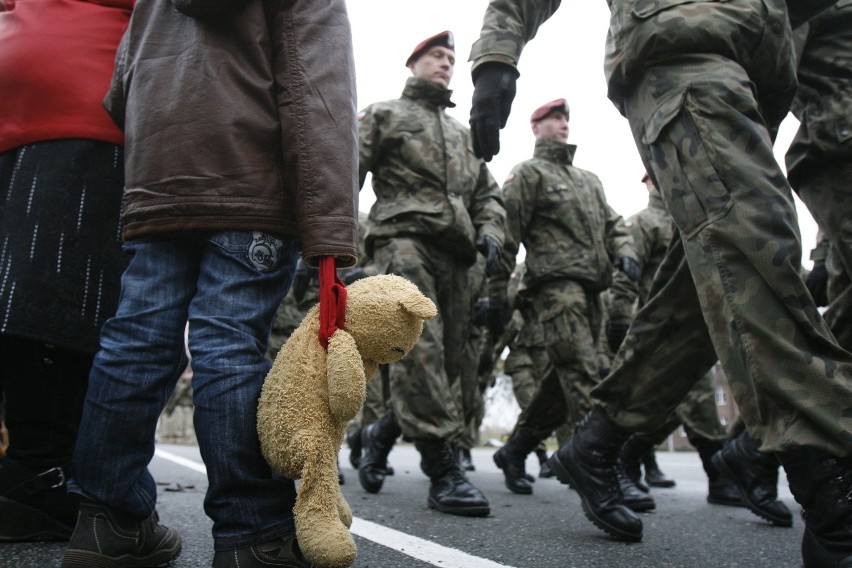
{"points": [[346, 378]]}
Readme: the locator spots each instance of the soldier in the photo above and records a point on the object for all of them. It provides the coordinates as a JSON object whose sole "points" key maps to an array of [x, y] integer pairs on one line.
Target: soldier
{"points": [[819, 160], [702, 86], [436, 206], [573, 239]]}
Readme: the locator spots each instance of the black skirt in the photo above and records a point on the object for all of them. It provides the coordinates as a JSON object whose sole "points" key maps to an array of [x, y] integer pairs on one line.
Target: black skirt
{"points": [[60, 240]]}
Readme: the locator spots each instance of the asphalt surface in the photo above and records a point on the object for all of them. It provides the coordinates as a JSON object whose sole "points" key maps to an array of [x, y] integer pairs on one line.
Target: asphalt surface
{"points": [[395, 528]]}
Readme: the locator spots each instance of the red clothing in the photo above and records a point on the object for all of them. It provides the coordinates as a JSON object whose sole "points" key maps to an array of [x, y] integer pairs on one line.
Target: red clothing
{"points": [[56, 62]]}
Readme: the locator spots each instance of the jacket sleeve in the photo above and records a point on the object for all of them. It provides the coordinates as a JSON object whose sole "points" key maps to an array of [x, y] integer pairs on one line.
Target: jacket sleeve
{"points": [[315, 94], [507, 27]]}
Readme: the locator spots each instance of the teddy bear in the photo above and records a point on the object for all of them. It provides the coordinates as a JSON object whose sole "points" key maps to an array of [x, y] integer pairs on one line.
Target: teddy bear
{"points": [[311, 394]]}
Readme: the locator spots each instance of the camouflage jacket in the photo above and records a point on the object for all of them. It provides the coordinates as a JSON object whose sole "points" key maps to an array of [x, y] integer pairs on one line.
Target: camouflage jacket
{"points": [[824, 98], [560, 214], [652, 230], [645, 34], [425, 176]]}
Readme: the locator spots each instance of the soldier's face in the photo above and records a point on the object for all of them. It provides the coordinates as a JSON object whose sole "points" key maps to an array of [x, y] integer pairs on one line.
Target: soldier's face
{"points": [[435, 65], [552, 127]]}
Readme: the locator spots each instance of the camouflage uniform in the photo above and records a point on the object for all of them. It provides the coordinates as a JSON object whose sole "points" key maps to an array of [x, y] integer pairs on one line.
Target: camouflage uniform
{"points": [[652, 230], [433, 198], [699, 83], [819, 160], [571, 236]]}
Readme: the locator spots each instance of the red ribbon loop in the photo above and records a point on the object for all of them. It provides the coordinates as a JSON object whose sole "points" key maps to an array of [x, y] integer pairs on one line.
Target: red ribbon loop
{"points": [[332, 301]]}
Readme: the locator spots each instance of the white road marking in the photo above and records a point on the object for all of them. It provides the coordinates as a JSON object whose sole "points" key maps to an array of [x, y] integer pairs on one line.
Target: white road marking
{"points": [[415, 547]]}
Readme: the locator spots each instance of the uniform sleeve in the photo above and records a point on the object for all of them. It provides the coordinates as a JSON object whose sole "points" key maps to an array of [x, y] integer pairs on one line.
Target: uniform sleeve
{"points": [[507, 27], [368, 144]]}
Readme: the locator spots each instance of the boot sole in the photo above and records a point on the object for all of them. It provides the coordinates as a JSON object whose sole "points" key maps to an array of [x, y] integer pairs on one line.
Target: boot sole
{"points": [[21, 523], [723, 468], [483, 511], [564, 476], [89, 559], [499, 462]]}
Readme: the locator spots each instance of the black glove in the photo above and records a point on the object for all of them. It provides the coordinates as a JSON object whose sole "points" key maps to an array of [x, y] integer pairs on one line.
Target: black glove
{"points": [[491, 250], [615, 334], [353, 274], [630, 267], [817, 283], [493, 92], [497, 318], [302, 279]]}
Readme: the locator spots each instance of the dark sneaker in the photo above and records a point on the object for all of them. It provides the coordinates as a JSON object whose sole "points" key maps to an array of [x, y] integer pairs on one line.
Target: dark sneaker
{"points": [[282, 551], [105, 538], [35, 506], [755, 475], [588, 462]]}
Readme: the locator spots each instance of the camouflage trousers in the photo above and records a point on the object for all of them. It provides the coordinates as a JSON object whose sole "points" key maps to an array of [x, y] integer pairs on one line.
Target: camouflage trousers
{"points": [[827, 192], [697, 413], [730, 284], [570, 320], [473, 406], [424, 390]]}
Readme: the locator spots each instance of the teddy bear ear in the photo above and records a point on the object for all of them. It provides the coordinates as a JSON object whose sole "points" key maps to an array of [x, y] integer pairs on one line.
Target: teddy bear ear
{"points": [[420, 306]]}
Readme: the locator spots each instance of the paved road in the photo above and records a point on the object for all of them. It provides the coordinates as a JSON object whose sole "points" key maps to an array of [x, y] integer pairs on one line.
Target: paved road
{"points": [[395, 529]]}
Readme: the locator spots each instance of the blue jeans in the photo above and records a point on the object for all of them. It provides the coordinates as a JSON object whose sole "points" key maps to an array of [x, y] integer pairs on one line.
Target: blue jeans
{"points": [[227, 286]]}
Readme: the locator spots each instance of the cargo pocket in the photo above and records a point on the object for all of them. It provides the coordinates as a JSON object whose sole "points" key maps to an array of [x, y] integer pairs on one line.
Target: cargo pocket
{"points": [[695, 190]]}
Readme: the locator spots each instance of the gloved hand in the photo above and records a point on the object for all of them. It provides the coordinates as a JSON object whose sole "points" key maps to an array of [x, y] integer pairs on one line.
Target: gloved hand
{"points": [[493, 92], [302, 279], [497, 317], [630, 267], [353, 274], [817, 283], [615, 334], [491, 250]]}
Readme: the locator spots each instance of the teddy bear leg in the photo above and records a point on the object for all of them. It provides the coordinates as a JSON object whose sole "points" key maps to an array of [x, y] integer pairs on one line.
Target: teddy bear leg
{"points": [[323, 537]]}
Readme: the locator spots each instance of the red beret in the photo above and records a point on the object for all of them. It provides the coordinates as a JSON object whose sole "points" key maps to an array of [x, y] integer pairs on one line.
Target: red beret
{"points": [[443, 39], [559, 105]]}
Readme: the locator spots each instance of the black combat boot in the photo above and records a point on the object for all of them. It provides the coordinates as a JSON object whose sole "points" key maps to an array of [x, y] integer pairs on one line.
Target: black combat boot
{"points": [[544, 470], [755, 475], [822, 484], [465, 459], [353, 440], [631, 453], [106, 538], [653, 475], [450, 491], [588, 462], [377, 439], [633, 498], [720, 491], [512, 458], [35, 506]]}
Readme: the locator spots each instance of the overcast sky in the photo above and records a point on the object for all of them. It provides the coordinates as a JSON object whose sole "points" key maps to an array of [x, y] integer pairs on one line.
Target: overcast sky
{"points": [[565, 60]]}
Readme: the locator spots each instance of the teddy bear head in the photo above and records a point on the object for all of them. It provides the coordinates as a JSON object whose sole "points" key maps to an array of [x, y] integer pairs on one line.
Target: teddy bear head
{"points": [[385, 315]]}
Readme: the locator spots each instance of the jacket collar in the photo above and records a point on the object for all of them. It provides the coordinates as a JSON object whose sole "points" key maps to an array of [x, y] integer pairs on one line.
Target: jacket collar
{"points": [[555, 151], [427, 92], [655, 201]]}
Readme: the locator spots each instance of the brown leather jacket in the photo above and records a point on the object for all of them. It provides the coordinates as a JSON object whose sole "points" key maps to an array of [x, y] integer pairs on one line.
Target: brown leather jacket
{"points": [[240, 118]]}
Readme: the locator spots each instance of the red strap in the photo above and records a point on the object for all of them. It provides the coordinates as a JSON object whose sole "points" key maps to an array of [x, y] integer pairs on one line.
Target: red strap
{"points": [[332, 301]]}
